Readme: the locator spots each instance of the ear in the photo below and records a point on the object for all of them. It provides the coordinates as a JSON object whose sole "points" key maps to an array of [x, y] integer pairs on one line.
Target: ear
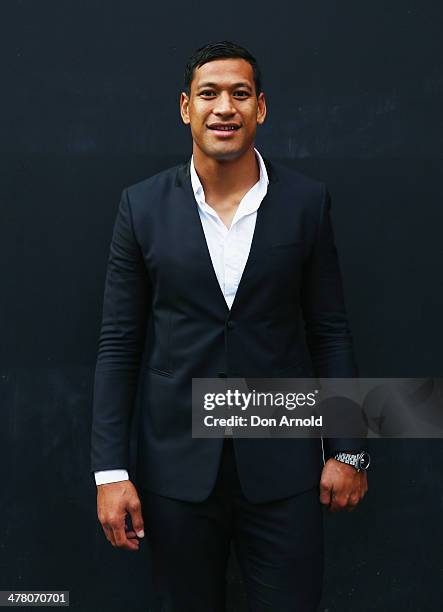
{"points": [[184, 108], [261, 108]]}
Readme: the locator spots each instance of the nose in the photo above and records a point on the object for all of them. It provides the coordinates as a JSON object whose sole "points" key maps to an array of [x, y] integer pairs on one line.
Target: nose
{"points": [[223, 105]]}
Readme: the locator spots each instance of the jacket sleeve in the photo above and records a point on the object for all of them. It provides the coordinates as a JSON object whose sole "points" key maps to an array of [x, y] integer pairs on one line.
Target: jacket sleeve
{"points": [[126, 306], [326, 324]]}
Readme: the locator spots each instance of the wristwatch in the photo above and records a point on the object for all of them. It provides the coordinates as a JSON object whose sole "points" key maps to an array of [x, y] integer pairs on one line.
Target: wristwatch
{"points": [[360, 461]]}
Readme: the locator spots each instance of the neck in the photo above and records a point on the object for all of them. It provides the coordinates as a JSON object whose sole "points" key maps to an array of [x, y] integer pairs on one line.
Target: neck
{"points": [[223, 177]]}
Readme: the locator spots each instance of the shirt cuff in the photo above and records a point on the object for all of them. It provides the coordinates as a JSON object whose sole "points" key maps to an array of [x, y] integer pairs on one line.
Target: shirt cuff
{"points": [[107, 476]]}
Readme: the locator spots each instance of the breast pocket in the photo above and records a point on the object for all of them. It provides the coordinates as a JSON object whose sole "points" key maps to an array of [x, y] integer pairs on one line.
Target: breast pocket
{"points": [[285, 261]]}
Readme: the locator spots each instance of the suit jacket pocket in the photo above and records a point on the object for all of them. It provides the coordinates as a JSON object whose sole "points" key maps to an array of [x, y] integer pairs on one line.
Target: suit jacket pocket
{"points": [[160, 372]]}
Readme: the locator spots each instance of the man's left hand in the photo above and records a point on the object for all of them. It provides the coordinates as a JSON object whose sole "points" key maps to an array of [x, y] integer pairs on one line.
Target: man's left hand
{"points": [[341, 486]]}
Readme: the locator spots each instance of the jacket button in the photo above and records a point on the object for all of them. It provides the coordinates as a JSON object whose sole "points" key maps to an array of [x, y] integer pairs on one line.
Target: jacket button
{"points": [[231, 324]]}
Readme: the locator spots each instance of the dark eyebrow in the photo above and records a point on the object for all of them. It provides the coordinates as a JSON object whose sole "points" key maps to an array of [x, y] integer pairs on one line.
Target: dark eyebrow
{"points": [[234, 86]]}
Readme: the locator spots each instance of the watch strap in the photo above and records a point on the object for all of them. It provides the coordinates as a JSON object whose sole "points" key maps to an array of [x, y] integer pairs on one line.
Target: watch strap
{"points": [[353, 459]]}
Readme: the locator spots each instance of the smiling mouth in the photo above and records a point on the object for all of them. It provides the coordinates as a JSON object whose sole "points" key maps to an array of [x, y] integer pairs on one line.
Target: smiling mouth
{"points": [[223, 128]]}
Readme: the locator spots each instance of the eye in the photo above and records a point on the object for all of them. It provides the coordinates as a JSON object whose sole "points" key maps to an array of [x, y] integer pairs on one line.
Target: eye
{"points": [[241, 94], [207, 93]]}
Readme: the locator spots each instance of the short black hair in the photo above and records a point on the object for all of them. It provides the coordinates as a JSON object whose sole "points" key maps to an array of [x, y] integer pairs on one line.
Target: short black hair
{"points": [[220, 50]]}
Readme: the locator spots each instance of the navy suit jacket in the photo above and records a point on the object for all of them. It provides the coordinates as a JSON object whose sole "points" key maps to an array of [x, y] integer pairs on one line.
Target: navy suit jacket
{"points": [[165, 321]]}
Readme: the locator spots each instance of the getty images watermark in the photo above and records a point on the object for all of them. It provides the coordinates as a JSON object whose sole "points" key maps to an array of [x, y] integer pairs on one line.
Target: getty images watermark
{"points": [[318, 407], [241, 401]]}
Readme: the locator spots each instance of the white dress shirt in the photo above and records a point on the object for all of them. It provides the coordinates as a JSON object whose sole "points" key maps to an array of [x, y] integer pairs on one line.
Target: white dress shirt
{"points": [[228, 247]]}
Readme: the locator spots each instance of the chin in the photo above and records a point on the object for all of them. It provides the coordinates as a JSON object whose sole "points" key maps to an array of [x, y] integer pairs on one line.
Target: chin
{"points": [[226, 156], [224, 153]]}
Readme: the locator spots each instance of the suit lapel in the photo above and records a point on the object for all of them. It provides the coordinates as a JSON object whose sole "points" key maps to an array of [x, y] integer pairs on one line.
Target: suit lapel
{"points": [[197, 236], [194, 236]]}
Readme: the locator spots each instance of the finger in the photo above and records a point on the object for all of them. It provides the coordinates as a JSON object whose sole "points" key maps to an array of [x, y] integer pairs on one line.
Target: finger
{"points": [[130, 533], [335, 499], [338, 503], [352, 503], [135, 510], [332, 507], [325, 494], [128, 529], [117, 525], [122, 541]]}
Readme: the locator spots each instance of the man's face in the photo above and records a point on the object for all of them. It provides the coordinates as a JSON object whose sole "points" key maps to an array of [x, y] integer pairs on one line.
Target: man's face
{"points": [[223, 109]]}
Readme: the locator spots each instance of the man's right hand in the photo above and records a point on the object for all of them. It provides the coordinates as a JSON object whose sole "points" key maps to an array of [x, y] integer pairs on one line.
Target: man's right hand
{"points": [[114, 501]]}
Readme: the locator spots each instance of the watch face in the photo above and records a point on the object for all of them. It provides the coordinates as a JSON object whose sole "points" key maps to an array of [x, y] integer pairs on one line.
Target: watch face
{"points": [[364, 461]]}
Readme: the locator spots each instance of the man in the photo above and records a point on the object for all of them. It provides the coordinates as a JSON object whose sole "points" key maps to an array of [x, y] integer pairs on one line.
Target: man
{"points": [[212, 265]]}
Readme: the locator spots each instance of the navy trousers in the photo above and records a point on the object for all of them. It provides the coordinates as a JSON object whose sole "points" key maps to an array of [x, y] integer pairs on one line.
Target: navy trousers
{"points": [[279, 547]]}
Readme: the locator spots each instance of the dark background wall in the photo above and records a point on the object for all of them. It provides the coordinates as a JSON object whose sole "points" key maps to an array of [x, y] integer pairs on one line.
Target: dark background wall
{"points": [[89, 105]]}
